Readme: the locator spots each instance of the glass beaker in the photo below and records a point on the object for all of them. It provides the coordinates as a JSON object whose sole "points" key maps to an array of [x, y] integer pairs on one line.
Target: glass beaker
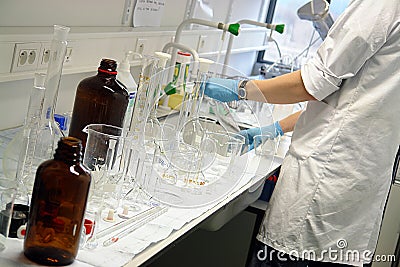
{"points": [[228, 148], [265, 145], [105, 156], [174, 167]]}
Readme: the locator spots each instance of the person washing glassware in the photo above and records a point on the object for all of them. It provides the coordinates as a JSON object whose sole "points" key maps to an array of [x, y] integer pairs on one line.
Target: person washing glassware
{"points": [[328, 203]]}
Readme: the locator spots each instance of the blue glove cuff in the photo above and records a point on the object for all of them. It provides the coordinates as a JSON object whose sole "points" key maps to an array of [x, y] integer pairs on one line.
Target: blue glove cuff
{"points": [[278, 129]]}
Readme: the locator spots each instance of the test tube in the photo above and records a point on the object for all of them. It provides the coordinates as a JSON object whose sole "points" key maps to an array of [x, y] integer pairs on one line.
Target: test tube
{"points": [[186, 106]]}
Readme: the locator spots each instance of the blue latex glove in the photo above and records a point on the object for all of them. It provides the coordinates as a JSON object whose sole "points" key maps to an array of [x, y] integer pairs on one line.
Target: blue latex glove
{"points": [[224, 90], [273, 130]]}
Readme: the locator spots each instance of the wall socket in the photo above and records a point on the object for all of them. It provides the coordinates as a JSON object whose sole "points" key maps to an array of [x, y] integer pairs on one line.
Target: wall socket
{"points": [[68, 56], [26, 57], [44, 56], [141, 45], [201, 43]]}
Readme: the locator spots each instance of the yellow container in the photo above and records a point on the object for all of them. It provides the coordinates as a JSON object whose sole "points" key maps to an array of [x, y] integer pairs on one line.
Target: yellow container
{"points": [[175, 101]]}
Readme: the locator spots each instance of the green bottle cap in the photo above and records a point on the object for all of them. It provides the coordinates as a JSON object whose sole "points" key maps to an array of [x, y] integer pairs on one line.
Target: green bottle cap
{"points": [[170, 89], [234, 28], [279, 28]]}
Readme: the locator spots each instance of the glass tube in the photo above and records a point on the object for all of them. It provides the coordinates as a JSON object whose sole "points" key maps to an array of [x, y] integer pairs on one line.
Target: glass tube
{"points": [[144, 97], [30, 132], [141, 110], [153, 127], [186, 110], [49, 132]]}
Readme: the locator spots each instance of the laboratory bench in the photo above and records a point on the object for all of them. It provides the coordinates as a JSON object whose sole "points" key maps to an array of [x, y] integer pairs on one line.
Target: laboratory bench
{"points": [[151, 240]]}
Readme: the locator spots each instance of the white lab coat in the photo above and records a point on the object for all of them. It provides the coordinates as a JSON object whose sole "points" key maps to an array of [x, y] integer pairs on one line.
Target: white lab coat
{"points": [[337, 174]]}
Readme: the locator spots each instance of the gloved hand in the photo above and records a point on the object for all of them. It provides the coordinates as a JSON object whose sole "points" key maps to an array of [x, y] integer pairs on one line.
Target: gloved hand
{"points": [[273, 131], [224, 90]]}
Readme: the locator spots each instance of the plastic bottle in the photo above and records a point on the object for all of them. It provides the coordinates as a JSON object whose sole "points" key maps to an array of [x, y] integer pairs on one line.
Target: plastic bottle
{"points": [[58, 206], [124, 76], [99, 99], [181, 71]]}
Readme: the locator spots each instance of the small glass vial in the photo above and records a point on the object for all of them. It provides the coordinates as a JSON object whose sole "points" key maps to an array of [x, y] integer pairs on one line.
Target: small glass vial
{"points": [[58, 206], [100, 99]]}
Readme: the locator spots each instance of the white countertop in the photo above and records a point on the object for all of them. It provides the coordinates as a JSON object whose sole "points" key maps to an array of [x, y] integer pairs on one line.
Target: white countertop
{"points": [[152, 238], [147, 241]]}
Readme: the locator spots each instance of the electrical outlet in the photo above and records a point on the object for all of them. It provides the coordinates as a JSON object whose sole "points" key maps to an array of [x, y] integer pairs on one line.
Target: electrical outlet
{"points": [[127, 12], [201, 43], [26, 57], [68, 56], [140, 45], [44, 56]]}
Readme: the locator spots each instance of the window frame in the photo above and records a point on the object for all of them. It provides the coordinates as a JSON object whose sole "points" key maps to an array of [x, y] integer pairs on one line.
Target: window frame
{"points": [[268, 19]]}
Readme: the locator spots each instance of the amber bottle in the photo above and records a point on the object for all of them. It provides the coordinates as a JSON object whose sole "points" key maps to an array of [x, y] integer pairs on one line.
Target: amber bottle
{"points": [[58, 205], [99, 99]]}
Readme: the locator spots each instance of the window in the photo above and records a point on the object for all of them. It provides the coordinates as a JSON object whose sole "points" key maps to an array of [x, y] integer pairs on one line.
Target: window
{"points": [[299, 34]]}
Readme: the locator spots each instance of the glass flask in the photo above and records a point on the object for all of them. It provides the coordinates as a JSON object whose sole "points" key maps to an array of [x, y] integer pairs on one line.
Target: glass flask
{"points": [[99, 99], [58, 206]]}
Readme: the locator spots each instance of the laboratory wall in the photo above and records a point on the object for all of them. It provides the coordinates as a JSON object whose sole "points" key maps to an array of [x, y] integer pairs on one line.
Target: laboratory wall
{"points": [[98, 30]]}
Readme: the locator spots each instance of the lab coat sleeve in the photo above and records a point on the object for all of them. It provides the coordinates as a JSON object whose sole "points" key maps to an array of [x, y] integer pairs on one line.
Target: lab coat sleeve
{"points": [[355, 37]]}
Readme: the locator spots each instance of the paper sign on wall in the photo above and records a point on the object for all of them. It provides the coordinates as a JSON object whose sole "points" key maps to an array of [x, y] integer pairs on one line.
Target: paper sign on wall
{"points": [[148, 13]]}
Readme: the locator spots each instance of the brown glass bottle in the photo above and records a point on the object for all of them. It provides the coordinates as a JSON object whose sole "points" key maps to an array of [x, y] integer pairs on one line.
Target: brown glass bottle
{"points": [[99, 99], [58, 205]]}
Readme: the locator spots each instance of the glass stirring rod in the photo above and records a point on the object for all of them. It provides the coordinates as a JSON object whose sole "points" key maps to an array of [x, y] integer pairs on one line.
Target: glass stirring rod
{"points": [[157, 212]]}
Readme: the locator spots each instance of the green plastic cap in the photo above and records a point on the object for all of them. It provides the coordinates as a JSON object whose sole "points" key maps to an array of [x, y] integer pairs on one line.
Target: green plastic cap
{"points": [[234, 28], [170, 89], [279, 28]]}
